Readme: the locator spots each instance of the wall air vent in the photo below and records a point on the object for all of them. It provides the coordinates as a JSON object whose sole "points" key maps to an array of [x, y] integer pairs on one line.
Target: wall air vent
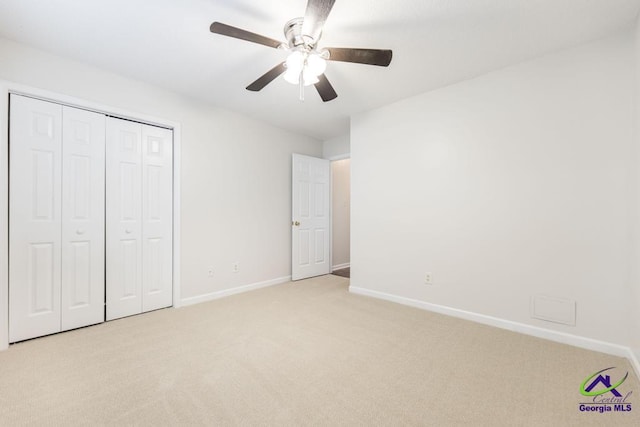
{"points": [[554, 309]]}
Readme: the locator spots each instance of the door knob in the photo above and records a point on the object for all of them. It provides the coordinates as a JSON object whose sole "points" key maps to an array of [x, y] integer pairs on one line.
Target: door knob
{"points": [[296, 223], [79, 231], [128, 231]]}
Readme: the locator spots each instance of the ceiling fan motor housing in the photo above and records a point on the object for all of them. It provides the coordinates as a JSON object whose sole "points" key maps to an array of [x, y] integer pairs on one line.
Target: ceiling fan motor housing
{"points": [[294, 36]]}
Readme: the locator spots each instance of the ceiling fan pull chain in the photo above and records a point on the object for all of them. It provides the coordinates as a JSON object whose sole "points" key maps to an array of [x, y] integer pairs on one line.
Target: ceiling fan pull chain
{"points": [[301, 85]]}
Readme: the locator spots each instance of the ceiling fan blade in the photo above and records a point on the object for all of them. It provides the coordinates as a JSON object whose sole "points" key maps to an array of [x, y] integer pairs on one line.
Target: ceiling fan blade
{"points": [[238, 33], [315, 17], [381, 57], [267, 78], [326, 91]]}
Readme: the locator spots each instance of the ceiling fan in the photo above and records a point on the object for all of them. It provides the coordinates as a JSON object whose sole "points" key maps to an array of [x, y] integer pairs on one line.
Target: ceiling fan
{"points": [[306, 64]]}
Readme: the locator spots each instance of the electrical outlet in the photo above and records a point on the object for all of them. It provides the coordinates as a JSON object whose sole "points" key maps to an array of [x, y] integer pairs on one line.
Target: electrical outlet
{"points": [[210, 272], [236, 267], [428, 279]]}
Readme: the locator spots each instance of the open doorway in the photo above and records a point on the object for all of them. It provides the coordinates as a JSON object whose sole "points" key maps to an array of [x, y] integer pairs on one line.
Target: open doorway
{"points": [[341, 217]]}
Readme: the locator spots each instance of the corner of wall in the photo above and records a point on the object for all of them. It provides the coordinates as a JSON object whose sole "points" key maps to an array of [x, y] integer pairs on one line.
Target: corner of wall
{"points": [[4, 217], [337, 148], [634, 359]]}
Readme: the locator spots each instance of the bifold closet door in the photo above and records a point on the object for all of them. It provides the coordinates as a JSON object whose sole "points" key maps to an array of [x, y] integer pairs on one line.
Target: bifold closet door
{"points": [[157, 218], [124, 228], [56, 218], [35, 205], [139, 218], [83, 270]]}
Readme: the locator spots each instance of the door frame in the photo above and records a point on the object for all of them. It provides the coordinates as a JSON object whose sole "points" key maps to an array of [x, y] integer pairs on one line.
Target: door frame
{"points": [[7, 88], [331, 160]]}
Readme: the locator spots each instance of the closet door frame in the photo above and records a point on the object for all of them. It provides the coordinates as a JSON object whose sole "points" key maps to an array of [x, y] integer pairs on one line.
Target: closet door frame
{"points": [[7, 88]]}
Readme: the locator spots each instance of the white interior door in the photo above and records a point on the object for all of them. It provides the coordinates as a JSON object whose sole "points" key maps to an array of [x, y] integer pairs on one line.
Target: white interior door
{"points": [[34, 218], [123, 218], [157, 210], [310, 220], [83, 193]]}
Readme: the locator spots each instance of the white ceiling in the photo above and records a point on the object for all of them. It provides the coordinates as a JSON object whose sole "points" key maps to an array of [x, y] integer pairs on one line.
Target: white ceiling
{"points": [[434, 43]]}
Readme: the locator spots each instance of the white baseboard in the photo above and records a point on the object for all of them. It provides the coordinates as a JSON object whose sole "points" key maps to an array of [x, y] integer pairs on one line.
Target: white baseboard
{"points": [[341, 266], [232, 291], [561, 337]]}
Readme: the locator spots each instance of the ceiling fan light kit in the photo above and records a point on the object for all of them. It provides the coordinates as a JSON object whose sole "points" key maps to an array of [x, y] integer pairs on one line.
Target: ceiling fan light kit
{"points": [[305, 64], [304, 68]]}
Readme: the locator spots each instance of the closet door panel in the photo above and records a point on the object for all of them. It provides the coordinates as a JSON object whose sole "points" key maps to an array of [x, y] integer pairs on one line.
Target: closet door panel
{"points": [[157, 216], [35, 160], [83, 227], [123, 222]]}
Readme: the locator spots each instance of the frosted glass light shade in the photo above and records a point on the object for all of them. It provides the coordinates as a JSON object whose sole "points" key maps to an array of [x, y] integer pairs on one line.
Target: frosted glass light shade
{"points": [[316, 64], [292, 76], [309, 77], [295, 61]]}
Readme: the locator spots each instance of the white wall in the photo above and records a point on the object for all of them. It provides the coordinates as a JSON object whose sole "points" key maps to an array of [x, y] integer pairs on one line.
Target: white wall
{"points": [[635, 261], [340, 212], [236, 172], [336, 148], [512, 184]]}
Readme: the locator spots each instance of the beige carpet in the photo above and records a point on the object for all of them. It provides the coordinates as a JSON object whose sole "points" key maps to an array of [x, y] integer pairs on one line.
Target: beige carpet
{"points": [[304, 353]]}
